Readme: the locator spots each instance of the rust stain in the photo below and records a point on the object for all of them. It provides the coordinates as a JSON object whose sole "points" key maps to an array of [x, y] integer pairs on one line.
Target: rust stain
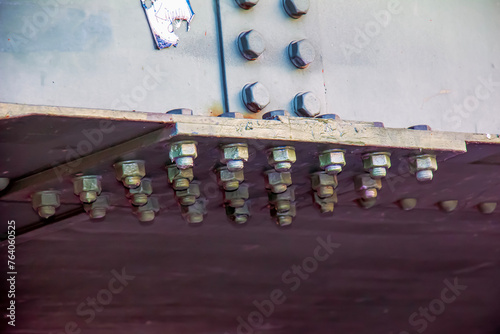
{"points": [[215, 109]]}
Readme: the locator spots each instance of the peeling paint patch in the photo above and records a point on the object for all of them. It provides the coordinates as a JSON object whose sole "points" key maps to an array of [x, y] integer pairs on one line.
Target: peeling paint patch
{"points": [[163, 15]]}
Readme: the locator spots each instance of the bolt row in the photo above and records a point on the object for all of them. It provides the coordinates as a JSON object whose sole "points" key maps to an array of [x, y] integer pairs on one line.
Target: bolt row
{"points": [[294, 8]]}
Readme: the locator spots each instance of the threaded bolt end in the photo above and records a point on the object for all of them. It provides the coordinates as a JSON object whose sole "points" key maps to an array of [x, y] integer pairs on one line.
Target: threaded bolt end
{"points": [[326, 207], [283, 206], [370, 193], [88, 196], [424, 175], [378, 172], [46, 211], [325, 191], [284, 220], [333, 169], [231, 185], [184, 162], [97, 213], [235, 165], [146, 216], [187, 200], [132, 182], [240, 219], [180, 184], [195, 218], [237, 202], [279, 188], [139, 199], [282, 166]]}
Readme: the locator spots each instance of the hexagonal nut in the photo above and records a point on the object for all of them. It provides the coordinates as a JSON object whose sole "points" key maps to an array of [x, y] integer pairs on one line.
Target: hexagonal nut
{"points": [[179, 178], [146, 213], [296, 8], [98, 208], [45, 202], [367, 186], [229, 180], [277, 182], [255, 96], [281, 157], [284, 218], [183, 153], [423, 166], [130, 172], [238, 215], [234, 155], [251, 44], [307, 104], [332, 161], [237, 197], [193, 214], [325, 204], [377, 163], [139, 196], [324, 184], [188, 196], [88, 187], [246, 4], [282, 202], [301, 53]]}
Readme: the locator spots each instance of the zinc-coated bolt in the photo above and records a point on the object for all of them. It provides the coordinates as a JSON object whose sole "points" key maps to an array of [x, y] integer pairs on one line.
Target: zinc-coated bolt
{"points": [[238, 215], [147, 212], [377, 163], [326, 204], [229, 180], [251, 44], [130, 172], [324, 184], [179, 178], [183, 153], [487, 207], [246, 4], [46, 202], [282, 202], [255, 96], [332, 161], [98, 208], [234, 156], [301, 53], [193, 214], [284, 218], [296, 8], [306, 104], [423, 166], [408, 204], [448, 206], [277, 182], [87, 187], [139, 196], [236, 198], [367, 186], [188, 196], [281, 157], [4, 182]]}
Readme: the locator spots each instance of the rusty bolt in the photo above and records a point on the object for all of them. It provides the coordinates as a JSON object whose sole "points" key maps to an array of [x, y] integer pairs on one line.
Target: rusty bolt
{"points": [[277, 182], [449, 205], [234, 156], [139, 196], [179, 178], [282, 202], [87, 187], [238, 215], [246, 4], [188, 196], [281, 157], [324, 184], [423, 166], [98, 208], [367, 186], [296, 8], [251, 44], [236, 198], [284, 218], [255, 96], [46, 202], [306, 104], [408, 204], [148, 211], [193, 214], [332, 161], [326, 204], [229, 180], [301, 53], [183, 153], [487, 207], [130, 172], [377, 163]]}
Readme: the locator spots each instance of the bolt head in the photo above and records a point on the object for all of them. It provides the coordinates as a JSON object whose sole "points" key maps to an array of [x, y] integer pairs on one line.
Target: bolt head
{"points": [[97, 209], [307, 104], [246, 4], [4, 182], [87, 183], [278, 181], [179, 178], [487, 207], [321, 181], [146, 216], [367, 203], [189, 195], [146, 212], [130, 172], [229, 180], [46, 198], [377, 164], [408, 204], [97, 213], [255, 96], [448, 206], [423, 166], [251, 44], [88, 196], [145, 188], [46, 211], [296, 8], [281, 157], [183, 153], [326, 204], [301, 53], [284, 220], [234, 155], [332, 161]]}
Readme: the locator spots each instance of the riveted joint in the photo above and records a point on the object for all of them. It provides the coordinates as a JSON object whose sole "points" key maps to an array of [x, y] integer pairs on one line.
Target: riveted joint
{"points": [[98, 208], [46, 202], [188, 196], [332, 161], [147, 212], [183, 153], [236, 198], [234, 156], [277, 182], [423, 166], [281, 157], [284, 218], [193, 214], [367, 186], [139, 196], [130, 172], [377, 164], [325, 204], [238, 215], [228, 180], [179, 179], [324, 184], [87, 187]]}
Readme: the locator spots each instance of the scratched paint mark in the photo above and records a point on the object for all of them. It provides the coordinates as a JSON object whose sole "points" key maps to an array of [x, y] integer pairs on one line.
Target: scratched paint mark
{"points": [[163, 15]]}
